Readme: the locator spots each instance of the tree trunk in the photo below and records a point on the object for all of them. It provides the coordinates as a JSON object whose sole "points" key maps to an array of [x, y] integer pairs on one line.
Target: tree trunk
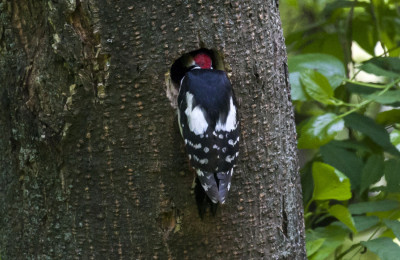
{"points": [[92, 163]]}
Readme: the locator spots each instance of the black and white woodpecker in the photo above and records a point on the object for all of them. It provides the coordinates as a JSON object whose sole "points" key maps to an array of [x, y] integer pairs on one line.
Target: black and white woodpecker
{"points": [[209, 124]]}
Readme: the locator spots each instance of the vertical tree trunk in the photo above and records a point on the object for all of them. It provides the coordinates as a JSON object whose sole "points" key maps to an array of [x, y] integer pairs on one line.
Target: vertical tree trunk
{"points": [[92, 164]]}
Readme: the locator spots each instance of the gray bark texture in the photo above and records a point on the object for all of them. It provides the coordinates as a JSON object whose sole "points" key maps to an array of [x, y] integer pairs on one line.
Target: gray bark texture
{"points": [[92, 163]]}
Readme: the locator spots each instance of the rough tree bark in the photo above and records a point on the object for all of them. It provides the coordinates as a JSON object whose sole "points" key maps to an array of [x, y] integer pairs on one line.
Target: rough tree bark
{"points": [[92, 164]]}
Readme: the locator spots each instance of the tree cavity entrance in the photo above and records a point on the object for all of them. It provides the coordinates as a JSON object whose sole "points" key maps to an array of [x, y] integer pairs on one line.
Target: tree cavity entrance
{"points": [[179, 68]]}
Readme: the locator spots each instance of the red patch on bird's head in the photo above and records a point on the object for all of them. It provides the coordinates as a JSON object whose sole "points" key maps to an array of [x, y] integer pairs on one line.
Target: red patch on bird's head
{"points": [[203, 60]]}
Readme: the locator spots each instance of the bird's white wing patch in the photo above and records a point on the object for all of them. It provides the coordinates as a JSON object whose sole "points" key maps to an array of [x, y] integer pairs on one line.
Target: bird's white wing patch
{"points": [[196, 119], [230, 123]]}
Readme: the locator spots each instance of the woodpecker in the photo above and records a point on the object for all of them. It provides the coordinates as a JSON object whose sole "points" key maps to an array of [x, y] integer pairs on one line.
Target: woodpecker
{"points": [[209, 124]]}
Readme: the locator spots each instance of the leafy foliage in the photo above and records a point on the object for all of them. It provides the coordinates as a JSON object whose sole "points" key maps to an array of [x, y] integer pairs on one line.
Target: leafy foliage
{"points": [[348, 122]]}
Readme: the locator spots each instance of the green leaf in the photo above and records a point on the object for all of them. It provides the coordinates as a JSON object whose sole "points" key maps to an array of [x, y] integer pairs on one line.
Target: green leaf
{"points": [[388, 117], [374, 131], [372, 172], [392, 175], [395, 138], [324, 42], [313, 246], [394, 225], [345, 161], [334, 236], [365, 222], [358, 88], [329, 183], [387, 64], [351, 145], [365, 34], [376, 70], [309, 108], [388, 97], [319, 130], [373, 206], [307, 182], [329, 66], [383, 247], [333, 6], [316, 86], [343, 214]]}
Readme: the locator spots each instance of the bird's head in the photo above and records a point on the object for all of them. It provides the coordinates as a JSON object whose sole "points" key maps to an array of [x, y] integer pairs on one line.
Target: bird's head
{"points": [[203, 60]]}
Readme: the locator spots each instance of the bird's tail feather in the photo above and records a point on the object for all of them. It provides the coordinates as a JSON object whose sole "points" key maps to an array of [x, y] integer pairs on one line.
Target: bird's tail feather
{"points": [[211, 189]]}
